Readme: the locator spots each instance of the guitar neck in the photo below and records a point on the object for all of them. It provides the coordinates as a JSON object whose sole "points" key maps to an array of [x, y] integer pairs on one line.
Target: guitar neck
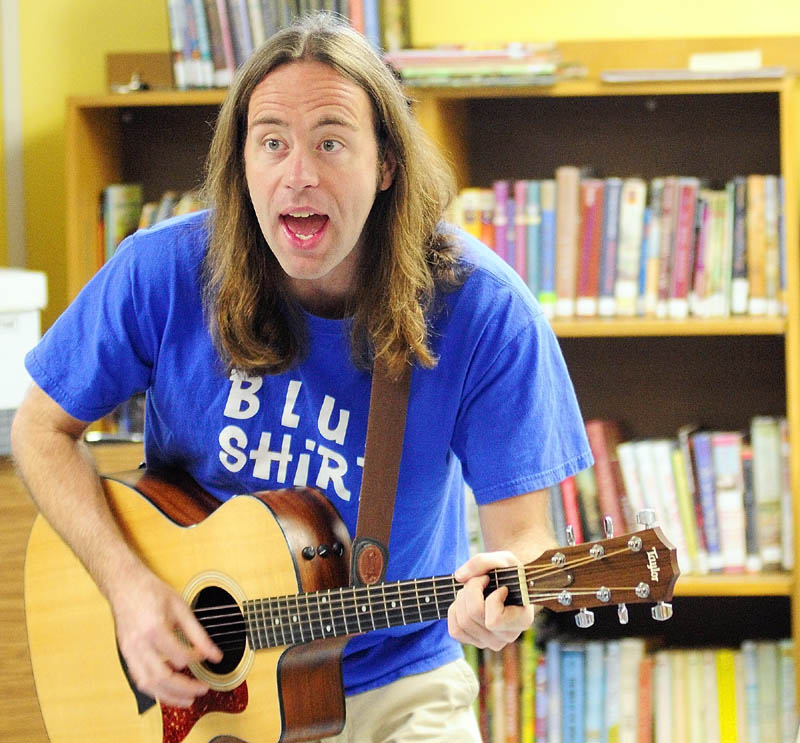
{"points": [[339, 612]]}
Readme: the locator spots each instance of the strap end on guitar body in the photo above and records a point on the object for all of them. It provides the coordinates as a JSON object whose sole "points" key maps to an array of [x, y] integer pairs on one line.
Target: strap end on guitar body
{"points": [[368, 560]]}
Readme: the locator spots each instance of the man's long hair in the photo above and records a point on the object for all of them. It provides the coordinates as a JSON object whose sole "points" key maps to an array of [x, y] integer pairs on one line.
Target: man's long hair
{"points": [[257, 325]]}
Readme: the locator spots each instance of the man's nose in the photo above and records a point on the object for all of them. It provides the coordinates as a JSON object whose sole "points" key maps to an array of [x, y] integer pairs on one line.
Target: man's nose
{"points": [[301, 169]]}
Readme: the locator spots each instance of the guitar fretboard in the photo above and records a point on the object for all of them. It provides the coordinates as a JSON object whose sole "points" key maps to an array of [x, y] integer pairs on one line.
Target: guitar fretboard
{"points": [[338, 612]]}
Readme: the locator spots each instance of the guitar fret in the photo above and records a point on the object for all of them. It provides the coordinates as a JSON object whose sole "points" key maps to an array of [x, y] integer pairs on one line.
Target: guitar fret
{"points": [[385, 608], [296, 617], [344, 613], [368, 607], [355, 610], [416, 595], [331, 628], [310, 623]]}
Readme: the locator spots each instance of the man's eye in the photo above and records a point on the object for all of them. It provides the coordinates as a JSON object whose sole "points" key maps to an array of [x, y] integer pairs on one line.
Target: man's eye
{"points": [[330, 145], [272, 144]]}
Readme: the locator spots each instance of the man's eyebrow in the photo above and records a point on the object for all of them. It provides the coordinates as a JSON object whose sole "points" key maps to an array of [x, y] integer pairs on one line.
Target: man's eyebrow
{"points": [[336, 121]]}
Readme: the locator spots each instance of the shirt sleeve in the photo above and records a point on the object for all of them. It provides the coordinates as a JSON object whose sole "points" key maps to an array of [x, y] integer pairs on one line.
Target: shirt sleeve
{"points": [[96, 354], [520, 428]]}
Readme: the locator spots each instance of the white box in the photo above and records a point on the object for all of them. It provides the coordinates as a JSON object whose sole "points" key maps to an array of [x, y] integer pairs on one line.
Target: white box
{"points": [[23, 294]]}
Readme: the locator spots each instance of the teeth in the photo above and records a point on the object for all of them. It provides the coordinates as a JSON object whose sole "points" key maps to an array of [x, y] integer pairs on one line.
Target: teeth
{"points": [[303, 237], [301, 214]]}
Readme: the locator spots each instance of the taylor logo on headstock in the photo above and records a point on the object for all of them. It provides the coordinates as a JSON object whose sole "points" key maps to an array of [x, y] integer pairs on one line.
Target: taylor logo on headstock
{"points": [[652, 564]]}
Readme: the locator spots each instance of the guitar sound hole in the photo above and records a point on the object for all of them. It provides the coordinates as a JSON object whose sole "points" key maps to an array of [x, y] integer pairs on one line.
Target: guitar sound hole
{"points": [[221, 617]]}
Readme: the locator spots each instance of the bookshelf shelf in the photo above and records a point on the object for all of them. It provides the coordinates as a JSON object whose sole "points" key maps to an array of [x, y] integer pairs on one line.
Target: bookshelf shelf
{"points": [[760, 584], [618, 327]]}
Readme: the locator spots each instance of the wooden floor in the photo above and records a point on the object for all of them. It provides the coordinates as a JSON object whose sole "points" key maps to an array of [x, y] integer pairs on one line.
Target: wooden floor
{"points": [[20, 719]]}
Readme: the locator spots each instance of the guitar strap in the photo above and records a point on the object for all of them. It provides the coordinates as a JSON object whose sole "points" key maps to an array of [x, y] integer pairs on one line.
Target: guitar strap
{"points": [[386, 426]]}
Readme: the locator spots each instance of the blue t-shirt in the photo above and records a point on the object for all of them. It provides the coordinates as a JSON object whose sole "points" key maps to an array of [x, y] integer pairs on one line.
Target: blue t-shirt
{"points": [[498, 412]]}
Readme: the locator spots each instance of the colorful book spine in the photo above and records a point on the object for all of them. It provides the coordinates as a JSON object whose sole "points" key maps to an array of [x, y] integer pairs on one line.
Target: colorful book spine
{"points": [[653, 253], [704, 471], [568, 178], [739, 279], [500, 189], [771, 246], [572, 510], [683, 250], [726, 454], [595, 692], [604, 437], [590, 235], [521, 228], [633, 198], [533, 231], [572, 693], [756, 246], [669, 208], [547, 276], [606, 305], [765, 440]]}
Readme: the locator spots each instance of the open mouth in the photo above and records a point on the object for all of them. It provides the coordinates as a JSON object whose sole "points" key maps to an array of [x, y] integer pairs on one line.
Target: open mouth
{"points": [[304, 225]]}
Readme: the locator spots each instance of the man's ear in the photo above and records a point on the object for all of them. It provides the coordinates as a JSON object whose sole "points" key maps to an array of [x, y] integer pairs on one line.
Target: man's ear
{"points": [[388, 167]]}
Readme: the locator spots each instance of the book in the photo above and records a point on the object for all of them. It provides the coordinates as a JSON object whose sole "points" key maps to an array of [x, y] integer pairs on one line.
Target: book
{"points": [[769, 695], [684, 443], [604, 437], [572, 693], [699, 287], [258, 30], [590, 236], [241, 35], [547, 276], [652, 270], [557, 514], [739, 280], [771, 247], [695, 694], [528, 656], [756, 245], [541, 700], [631, 652], [704, 472], [670, 513], [787, 498], [688, 523], [222, 58], [726, 455], [572, 511], [509, 658], [644, 729], [568, 178], [606, 303], [669, 209], [500, 190], [752, 562], [662, 697], [626, 455], [726, 695], [521, 228], [594, 725], [788, 714], [533, 231], [587, 500], [765, 440], [633, 199], [122, 208], [176, 10], [711, 697], [613, 683], [554, 688], [469, 210], [750, 668], [683, 247]]}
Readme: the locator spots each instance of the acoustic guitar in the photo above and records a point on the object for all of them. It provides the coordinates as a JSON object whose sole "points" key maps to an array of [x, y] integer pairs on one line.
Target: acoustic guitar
{"points": [[267, 576]]}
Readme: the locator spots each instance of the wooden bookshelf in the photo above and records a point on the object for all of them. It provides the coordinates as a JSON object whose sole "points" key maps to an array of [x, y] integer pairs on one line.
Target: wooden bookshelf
{"points": [[654, 375]]}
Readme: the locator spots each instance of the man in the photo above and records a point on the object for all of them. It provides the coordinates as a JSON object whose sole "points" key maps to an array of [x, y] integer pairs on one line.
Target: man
{"points": [[254, 328]]}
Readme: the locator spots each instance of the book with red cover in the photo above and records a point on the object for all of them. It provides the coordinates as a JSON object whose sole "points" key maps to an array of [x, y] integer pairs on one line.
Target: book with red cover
{"points": [[669, 208], [572, 510], [590, 236], [683, 252], [604, 436]]}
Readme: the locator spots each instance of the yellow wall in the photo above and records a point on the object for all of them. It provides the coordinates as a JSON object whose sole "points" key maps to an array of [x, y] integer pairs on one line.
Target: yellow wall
{"points": [[65, 56], [457, 21], [62, 46]]}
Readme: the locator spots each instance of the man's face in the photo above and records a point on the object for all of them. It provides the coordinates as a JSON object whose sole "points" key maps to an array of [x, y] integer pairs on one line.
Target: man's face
{"points": [[311, 163]]}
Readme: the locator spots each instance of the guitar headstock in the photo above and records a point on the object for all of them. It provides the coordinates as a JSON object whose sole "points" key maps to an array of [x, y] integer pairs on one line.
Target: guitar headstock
{"points": [[640, 567]]}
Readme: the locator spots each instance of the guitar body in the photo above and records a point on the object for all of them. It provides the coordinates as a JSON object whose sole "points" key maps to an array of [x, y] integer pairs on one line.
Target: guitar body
{"points": [[251, 546]]}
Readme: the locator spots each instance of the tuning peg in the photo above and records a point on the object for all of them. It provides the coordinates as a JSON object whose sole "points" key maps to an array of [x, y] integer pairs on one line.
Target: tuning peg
{"points": [[608, 527], [570, 535], [661, 611], [584, 618], [646, 517]]}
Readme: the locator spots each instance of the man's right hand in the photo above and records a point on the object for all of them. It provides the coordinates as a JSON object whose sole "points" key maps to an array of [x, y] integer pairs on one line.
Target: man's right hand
{"points": [[151, 618]]}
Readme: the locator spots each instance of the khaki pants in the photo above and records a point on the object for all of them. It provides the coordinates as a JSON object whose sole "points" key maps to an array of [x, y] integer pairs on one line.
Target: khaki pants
{"points": [[431, 707]]}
